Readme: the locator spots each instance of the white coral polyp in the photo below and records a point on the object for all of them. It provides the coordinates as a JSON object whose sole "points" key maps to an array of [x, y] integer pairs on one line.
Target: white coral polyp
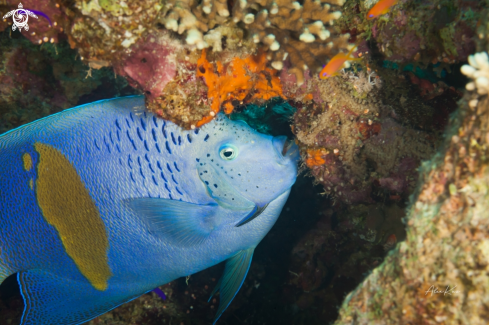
{"points": [[478, 70]]}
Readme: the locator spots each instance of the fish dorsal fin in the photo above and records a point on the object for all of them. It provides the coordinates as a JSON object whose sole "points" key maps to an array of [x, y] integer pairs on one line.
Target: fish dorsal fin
{"points": [[184, 223], [231, 281], [222, 191]]}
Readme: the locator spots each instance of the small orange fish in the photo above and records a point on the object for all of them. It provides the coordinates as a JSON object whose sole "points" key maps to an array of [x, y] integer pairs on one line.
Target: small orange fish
{"points": [[390, 242], [336, 64], [380, 8]]}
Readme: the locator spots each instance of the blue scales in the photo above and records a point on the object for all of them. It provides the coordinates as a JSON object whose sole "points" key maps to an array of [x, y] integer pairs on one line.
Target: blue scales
{"points": [[104, 202]]}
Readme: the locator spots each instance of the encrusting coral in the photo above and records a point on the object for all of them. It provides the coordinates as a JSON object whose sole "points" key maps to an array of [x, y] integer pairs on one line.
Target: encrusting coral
{"points": [[206, 84], [351, 143], [304, 33]]}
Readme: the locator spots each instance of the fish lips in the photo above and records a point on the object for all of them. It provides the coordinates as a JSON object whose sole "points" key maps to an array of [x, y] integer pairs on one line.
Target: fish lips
{"points": [[286, 149]]}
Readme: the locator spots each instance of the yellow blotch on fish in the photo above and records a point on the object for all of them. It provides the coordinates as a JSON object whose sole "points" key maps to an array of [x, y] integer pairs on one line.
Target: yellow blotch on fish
{"points": [[27, 159], [338, 62], [382, 7], [66, 204]]}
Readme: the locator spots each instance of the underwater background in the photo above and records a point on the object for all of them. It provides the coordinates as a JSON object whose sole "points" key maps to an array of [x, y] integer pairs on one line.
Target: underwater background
{"points": [[392, 196]]}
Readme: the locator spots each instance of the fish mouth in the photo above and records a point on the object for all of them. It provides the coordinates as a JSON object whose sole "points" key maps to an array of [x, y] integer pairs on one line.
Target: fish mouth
{"points": [[284, 147], [287, 146]]}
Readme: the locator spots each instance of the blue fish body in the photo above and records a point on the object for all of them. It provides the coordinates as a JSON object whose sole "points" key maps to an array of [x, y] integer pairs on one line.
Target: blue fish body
{"points": [[104, 202]]}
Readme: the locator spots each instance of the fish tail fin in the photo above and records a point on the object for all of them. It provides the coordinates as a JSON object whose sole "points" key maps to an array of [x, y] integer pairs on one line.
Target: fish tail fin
{"points": [[51, 299]]}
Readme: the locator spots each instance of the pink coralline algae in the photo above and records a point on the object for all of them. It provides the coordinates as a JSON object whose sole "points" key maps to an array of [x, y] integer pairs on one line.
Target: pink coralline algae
{"points": [[150, 65]]}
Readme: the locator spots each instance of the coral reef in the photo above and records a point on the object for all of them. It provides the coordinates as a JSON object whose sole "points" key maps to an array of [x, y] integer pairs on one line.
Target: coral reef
{"points": [[432, 31], [302, 32], [38, 81], [352, 144], [439, 274]]}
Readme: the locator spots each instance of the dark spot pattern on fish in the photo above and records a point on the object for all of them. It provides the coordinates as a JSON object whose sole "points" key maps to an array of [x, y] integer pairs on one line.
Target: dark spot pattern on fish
{"points": [[173, 138], [157, 148], [96, 144], [117, 147], [143, 124], [168, 167], [118, 125], [215, 185], [130, 139], [118, 136], [110, 138], [132, 177], [168, 147], [179, 140], [189, 138], [141, 172], [146, 157], [151, 167], [128, 124], [206, 182], [155, 121], [132, 117], [139, 161], [138, 131], [198, 160], [87, 148], [159, 165], [153, 132], [146, 145], [166, 186], [171, 198], [163, 177], [206, 138], [107, 144], [173, 179], [129, 161], [154, 180], [176, 167], [120, 162], [196, 131], [176, 188], [163, 130]]}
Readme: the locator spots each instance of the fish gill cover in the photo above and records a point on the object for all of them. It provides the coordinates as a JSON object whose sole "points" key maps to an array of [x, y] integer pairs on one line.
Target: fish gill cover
{"points": [[390, 201]]}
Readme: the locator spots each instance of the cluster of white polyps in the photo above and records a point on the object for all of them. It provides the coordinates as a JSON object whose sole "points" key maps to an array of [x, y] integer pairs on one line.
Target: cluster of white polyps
{"points": [[479, 71]]}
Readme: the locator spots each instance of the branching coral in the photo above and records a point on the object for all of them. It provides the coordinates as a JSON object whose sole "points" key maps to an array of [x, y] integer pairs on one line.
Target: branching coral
{"points": [[284, 28]]}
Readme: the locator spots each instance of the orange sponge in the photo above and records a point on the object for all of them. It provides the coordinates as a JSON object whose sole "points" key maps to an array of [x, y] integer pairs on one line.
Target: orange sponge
{"points": [[243, 80], [315, 157]]}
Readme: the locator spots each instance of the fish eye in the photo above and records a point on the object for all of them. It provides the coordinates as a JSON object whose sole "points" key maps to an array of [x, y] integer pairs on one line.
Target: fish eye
{"points": [[228, 152]]}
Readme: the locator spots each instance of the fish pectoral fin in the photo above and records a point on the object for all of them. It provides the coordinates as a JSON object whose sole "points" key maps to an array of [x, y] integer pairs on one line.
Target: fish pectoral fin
{"points": [[184, 223], [51, 299], [231, 281]]}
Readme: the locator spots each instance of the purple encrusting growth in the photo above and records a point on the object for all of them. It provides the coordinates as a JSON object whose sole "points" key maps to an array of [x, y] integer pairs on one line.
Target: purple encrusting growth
{"points": [[40, 13], [160, 293]]}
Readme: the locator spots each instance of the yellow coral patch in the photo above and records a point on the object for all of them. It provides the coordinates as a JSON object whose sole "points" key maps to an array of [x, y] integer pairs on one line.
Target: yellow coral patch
{"points": [[66, 205], [31, 183], [27, 159]]}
